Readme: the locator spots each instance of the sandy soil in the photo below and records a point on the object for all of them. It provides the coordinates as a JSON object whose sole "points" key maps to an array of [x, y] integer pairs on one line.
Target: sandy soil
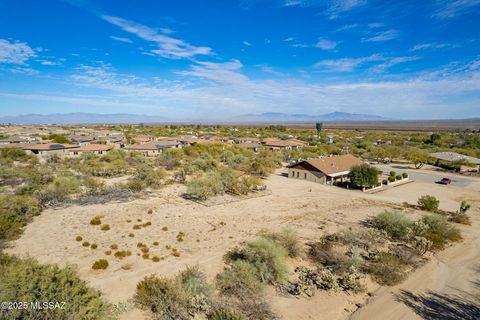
{"points": [[311, 209]]}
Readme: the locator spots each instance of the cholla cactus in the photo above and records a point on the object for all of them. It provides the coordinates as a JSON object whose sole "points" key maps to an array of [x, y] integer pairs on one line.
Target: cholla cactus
{"points": [[327, 280], [351, 281], [464, 207], [422, 244], [419, 228]]}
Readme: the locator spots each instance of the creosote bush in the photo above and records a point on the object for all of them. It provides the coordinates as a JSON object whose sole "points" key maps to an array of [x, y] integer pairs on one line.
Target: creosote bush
{"points": [[94, 246], [86, 244], [96, 221], [286, 238], [105, 227], [428, 203], [24, 280], [100, 264], [78, 238]]}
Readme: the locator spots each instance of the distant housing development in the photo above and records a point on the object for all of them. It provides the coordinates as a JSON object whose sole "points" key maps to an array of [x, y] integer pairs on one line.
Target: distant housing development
{"points": [[325, 170]]}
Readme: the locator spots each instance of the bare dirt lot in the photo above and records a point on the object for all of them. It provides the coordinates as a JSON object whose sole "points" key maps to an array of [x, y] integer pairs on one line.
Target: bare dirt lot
{"points": [[309, 208]]}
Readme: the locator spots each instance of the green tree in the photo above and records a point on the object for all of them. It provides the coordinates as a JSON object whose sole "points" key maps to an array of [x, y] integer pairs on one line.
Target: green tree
{"points": [[418, 157], [363, 176]]}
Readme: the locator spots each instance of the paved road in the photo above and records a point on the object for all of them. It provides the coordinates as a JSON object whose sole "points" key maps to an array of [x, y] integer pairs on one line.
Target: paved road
{"points": [[430, 177]]}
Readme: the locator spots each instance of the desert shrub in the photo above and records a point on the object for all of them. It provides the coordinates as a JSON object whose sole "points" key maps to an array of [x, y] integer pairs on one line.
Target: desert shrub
{"points": [[15, 212], [180, 236], [327, 280], [439, 231], [324, 253], [59, 190], [105, 227], [114, 247], [96, 221], [286, 238], [461, 218], [224, 314], [155, 259], [150, 211], [78, 238], [175, 253], [135, 185], [147, 224], [122, 254], [428, 203], [94, 246], [352, 280], [464, 207], [100, 264], [131, 235], [392, 174], [268, 259], [165, 298], [363, 176], [164, 228], [137, 227], [205, 186], [240, 279], [156, 243], [394, 223], [27, 280], [386, 269], [244, 185], [149, 177], [194, 281], [108, 252], [86, 244], [145, 256]]}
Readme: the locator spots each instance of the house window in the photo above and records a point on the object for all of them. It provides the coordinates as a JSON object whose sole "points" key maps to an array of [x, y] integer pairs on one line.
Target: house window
{"points": [[305, 176], [75, 153], [298, 174]]}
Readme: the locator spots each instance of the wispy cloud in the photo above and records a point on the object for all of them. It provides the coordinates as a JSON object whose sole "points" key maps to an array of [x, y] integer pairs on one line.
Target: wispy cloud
{"points": [[246, 43], [326, 44], [383, 36], [338, 7], [345, 64], [15, 52], [224, 72], [425, 46], [454, 8], [121, 39], [168, 47], [381, 62], [289, 39], [347, 27]]}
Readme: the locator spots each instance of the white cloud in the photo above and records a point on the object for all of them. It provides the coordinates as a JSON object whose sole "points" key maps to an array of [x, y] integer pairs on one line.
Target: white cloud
{"points": [[346, 64], [248, 44], [347, 27], [375, 25], [289, 39], [326, 44], [425, 46], [349, 64], [15, 52], [121, 39], [168, 47], [454, 8], [383, 36], [340, 6]]}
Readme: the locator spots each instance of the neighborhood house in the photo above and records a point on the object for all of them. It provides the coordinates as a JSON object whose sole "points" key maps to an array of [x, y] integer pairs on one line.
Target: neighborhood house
{"points": [[325, 170]]}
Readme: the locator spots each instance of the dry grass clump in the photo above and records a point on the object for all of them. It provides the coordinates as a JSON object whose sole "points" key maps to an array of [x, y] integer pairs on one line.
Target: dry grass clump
{"points": [[86, 244], [180, 236], [175, 252], [286, 238], [128, 220], [78, 238], [131, 235], [100, 264], [105, 227], [114, 247], [96, 221], [155, 259], [150, 211], [122, 254], [108, 252], [146, 224], [145, 249], [94, 246], [165, 228], [145, 256], [137, 227], [156, 243]]}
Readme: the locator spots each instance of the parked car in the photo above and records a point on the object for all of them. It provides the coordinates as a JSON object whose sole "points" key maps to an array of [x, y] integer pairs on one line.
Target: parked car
{"points": [[445, 181]]}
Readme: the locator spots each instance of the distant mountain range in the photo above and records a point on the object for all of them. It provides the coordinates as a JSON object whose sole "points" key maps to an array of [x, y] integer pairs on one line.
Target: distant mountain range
{"points": [[286, 117], [82, 118]]}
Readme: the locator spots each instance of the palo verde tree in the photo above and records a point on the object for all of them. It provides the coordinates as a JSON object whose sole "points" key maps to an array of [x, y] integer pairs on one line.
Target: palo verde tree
{"points": [[363, 176], [418, 157]]}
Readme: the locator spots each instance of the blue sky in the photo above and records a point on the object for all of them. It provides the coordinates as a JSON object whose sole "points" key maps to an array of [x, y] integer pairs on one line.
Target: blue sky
{"points": [[212, 60]]}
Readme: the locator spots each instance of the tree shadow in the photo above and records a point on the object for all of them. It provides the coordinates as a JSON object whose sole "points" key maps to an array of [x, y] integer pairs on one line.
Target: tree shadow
{"points": [[438, 306]]}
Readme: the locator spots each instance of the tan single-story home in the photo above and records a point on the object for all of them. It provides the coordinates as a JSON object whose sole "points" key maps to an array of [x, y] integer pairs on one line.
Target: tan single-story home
{"points": [[324, 170], [153, 148], [89, 148], [451, 157], [49, 149]]}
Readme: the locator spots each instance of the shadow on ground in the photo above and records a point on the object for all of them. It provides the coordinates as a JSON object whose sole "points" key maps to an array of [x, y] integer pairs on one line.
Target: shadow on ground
{"points": [[437, 306]]}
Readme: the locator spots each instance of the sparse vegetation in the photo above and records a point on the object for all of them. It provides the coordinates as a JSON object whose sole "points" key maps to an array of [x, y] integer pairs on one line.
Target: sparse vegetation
{"points": [[105, 227], [78, 238], [428, 203], [96, 221], [100, 264]]}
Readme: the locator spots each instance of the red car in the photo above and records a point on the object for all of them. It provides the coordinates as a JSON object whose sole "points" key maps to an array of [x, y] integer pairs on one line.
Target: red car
{"points": [[445, 181]]}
